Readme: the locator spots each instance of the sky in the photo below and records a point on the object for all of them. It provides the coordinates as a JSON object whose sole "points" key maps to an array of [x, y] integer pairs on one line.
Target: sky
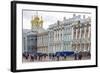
{"points": [[49, 17]]}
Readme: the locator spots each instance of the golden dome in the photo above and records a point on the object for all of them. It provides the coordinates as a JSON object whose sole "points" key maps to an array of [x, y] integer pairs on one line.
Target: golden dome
{"points": [[37, 21]]}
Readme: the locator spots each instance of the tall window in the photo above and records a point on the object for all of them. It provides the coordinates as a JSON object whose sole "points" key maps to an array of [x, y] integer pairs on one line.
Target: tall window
{"points": [[61, 36], [74, 33], [87, 31], [58, 35], [78, 33], [82, 33]]}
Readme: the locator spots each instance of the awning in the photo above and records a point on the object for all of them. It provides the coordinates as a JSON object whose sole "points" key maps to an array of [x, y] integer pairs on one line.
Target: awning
{"points": [[64, 53]]}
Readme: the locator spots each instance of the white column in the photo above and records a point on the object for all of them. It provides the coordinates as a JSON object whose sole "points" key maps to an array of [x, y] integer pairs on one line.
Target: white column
{"points": [[84, 32], [48, 42], [62, 33], [26, 47], [80, 38], [62, 39], [80, 34], [54, 35], [76, 33], [89, 34], [72, 33], [59, 35]]}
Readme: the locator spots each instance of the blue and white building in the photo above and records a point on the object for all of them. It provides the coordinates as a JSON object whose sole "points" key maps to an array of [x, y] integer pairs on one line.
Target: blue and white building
{"points": [[29, 41], [68, 35]]}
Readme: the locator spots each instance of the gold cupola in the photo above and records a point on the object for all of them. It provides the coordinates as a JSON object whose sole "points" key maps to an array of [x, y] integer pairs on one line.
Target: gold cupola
{"points": [[37, 21]]}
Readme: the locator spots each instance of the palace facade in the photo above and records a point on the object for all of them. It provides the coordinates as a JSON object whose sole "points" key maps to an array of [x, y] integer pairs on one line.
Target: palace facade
{"points": [[81, 35], [42, 42], [73, 34], [59, 37]]}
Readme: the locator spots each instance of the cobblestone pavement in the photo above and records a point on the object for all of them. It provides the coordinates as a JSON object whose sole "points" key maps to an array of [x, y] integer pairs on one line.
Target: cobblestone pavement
{"points": [[53, 59]]}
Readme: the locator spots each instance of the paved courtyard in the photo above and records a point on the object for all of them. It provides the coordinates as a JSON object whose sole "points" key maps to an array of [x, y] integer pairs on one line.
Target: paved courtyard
{"points": [[44, 59]]}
